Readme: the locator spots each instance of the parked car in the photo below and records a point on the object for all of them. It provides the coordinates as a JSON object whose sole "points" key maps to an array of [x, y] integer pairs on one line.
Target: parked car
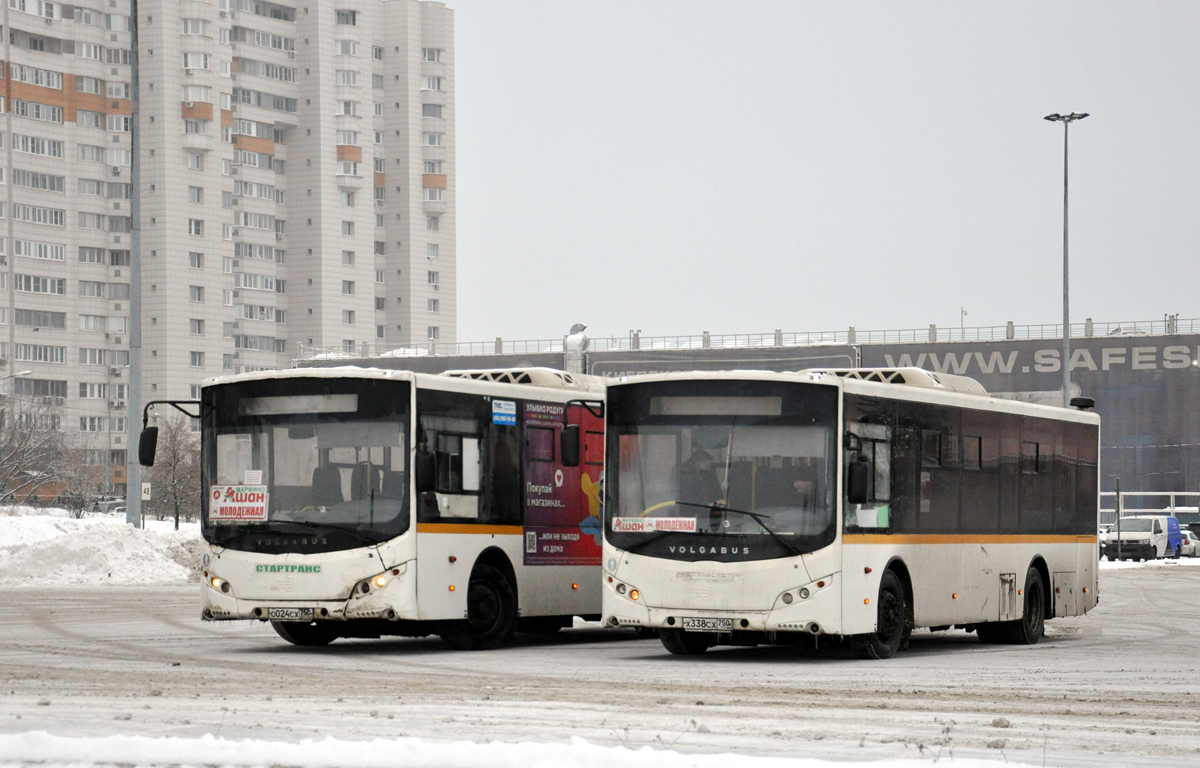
{"points": [[1189, 543], [1143, 537]]}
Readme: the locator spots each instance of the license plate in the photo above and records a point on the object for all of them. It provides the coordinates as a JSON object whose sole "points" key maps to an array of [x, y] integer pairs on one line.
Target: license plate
{"points": [[290, 614], [708, 625]]}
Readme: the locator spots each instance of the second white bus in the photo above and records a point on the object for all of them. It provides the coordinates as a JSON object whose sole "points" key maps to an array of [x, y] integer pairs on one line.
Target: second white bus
{"points": [[751, 507]]}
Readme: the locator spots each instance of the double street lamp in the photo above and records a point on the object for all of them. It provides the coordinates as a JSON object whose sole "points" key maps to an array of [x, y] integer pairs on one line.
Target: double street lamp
{"points": [[1066, 120]]}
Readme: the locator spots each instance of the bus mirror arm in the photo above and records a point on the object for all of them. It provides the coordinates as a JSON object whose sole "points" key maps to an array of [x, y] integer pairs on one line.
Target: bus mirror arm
{"points": [[148, 440]]}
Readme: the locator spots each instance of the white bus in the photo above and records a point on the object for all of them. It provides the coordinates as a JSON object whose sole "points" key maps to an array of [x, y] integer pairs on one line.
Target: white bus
{"points": [[748, 507], [352, 502]]}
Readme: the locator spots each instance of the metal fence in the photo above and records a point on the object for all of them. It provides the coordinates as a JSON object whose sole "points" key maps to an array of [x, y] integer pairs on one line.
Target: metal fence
{"points": [[635, 341], [1167, 503]]}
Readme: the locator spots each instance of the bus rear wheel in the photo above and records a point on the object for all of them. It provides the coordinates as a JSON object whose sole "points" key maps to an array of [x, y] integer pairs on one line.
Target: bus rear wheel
{"points": [[491, 613], [891, 618], [311, 635], [683, 643], [1028, 629]]}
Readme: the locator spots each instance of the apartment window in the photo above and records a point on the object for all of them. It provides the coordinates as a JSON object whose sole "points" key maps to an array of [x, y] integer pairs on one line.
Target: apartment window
{"points": [[379, 275], [433, 333], [349, 168], [348, 287], [196, 359], [433, 194], [347, 137], [196, 293], [227, 297], [41, 353], [433, 166], [195, 194], [116, 90], [377, 52], [347, 227], [347, 77], [348, 258], [433, 223], [92, 322], [91, 289], [227, 362], [379, 219], [376, 81], [433, 84], [92, 356], [431, 110], [431, 54], [195, 161], [39, 284], [347, 17], [196, 327], [378, 109], [433, 139], [194, 127], [380, 192], [196, 227], [195, 27], [89, 84], [227, 265], [118, 258], [349, 108], [91, 255], [347, 48], [431, 250], [195, 61], [92, 423], [348, 199], [88, 119], [227, 330], [379, 331], [431, 305], [196, 260], [380, 303], [431, 278], [348, 316]]}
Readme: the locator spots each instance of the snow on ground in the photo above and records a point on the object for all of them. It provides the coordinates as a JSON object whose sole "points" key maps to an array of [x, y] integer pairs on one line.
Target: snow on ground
{"points": [[49, 751], [52, 548], [1113, 565]]}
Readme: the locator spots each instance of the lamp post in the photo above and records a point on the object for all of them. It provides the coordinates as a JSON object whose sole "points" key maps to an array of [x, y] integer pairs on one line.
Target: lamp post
{"points": [[1066, 120]]}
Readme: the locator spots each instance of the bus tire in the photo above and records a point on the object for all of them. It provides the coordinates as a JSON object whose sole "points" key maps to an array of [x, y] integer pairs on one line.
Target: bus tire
{"points": [[310, 635], [1030, 628], [891, 620], [491, 613], [683, 643]]}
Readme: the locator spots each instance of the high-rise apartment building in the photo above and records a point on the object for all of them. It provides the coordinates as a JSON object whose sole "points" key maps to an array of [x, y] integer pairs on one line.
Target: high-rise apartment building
{"points": [[297, 188]]}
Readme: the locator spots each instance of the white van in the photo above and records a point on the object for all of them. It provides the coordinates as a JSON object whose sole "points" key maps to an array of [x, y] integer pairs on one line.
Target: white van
{"points": [[1144, 537]]}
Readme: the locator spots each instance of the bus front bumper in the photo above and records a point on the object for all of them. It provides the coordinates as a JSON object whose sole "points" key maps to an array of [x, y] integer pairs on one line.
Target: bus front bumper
{"points": [[818, 612], [395, 601]]}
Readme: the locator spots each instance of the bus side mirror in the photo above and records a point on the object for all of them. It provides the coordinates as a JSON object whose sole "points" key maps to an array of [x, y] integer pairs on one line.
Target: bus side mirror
{"points": [[147, 446], [570, 445], [426, 471], [857, 481]]}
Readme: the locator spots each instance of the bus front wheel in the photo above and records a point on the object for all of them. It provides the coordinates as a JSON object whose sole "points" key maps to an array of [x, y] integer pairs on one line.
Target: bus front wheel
{"points": [[299, 633], [683, 643], [890, 620], [491, 613]]}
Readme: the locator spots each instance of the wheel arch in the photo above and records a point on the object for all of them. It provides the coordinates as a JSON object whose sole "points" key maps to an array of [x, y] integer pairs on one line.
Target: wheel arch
{"points": [[1039, 563], [898, 567], [498, 559]]}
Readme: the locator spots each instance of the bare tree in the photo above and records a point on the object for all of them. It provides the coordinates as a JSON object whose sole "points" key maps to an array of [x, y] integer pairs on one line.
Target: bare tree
{"points": [[80, 473], [31, 448], [175, 477]]}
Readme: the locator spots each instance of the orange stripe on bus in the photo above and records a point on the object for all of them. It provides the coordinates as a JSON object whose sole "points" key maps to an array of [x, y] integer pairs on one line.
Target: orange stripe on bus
{"points": [[502, 530], [962, 538]]}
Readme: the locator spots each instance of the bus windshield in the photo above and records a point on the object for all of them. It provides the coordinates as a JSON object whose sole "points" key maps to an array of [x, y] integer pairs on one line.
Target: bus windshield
{"points": [[319, 464], [722, 470]]}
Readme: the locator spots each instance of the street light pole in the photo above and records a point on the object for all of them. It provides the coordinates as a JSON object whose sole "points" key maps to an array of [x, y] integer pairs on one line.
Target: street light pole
{"points": [[1066, 120]]}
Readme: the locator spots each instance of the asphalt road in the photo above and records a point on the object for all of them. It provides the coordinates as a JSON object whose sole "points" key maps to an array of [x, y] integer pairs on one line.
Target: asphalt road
{"points": [[1118, 687]]}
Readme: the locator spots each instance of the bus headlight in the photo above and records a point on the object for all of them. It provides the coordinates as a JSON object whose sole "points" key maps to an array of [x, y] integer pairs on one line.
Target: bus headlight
{"points": [[219, 584], [380, 581]]}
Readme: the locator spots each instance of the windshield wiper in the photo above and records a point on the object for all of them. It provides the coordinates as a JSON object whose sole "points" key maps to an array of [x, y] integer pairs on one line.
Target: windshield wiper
{"points": [[757, 517], [363, 537]]}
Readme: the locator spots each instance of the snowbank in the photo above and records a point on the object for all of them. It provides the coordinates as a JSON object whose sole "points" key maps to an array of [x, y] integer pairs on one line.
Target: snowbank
{"points": [[1118, 565], [51, 550], [52, 751]]}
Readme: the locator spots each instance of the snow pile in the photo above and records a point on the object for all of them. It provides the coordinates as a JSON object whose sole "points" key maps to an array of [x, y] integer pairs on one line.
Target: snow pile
{"points": [[53, 551], [52, 751], [1118, 565]]}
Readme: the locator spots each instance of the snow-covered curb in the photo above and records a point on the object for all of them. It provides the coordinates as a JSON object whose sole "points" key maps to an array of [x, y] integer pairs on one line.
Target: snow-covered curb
{"points": [[56, 550], [49, 751]]}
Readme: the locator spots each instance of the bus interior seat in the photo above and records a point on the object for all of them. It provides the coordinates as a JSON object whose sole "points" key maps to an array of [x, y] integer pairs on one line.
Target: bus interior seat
{"points": [[327, 486], [358, 481], [393, 484]]}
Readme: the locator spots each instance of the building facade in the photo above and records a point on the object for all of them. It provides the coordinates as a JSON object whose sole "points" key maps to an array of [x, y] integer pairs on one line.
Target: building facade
{"points": [[297, 188]]}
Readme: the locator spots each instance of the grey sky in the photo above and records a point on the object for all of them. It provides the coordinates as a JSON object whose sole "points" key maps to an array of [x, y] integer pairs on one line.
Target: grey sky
{"points": [[737, 167]]}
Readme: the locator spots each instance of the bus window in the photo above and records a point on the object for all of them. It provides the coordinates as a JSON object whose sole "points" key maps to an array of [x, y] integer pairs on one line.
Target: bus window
{"points": [[540, 443], [593, 448]]}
